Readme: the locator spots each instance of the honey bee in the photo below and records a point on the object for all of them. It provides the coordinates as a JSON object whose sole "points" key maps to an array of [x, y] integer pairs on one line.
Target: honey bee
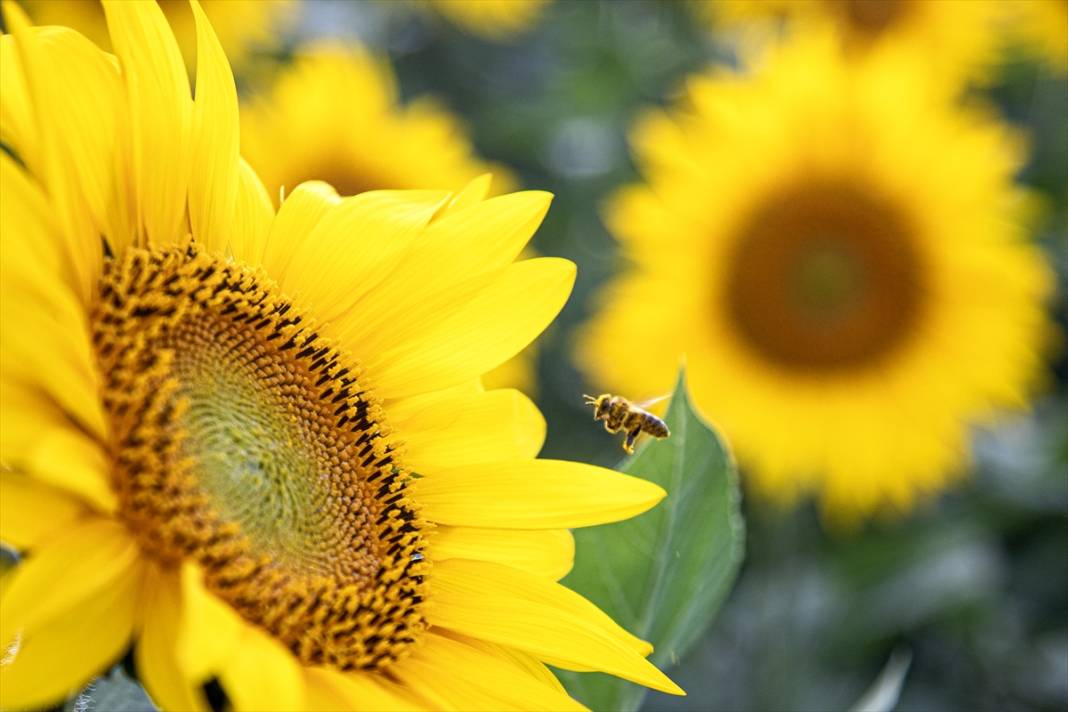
{"points": [[619, 414]]}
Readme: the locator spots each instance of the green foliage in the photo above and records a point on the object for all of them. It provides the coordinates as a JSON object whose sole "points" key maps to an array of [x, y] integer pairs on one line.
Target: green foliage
{"points": [[664, 574]]}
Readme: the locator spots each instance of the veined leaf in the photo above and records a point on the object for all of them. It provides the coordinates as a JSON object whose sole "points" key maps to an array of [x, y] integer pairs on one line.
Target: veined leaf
{"points": [[664, 574]]}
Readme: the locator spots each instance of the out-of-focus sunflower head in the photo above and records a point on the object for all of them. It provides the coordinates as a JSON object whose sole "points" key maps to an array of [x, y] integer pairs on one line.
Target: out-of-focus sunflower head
{"points": [[335, 115], [254, 444], [497, 20], [842, 256], [957, 39], [242, 26], [1041, 27]]}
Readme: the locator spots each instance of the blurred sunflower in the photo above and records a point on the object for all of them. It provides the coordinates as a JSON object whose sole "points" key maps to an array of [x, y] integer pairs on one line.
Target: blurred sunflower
{"points": [[254, 444], [334, 115], [497, 20], [956, 38], [842, 260], [241, 25], [1042, 27]]}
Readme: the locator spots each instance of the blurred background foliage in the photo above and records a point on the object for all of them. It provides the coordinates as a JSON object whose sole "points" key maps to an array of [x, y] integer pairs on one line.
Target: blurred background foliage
{"points": [[975, 584]]}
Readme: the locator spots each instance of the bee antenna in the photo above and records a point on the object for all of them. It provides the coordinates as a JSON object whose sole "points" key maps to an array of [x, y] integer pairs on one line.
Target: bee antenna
{"points": [[589, 398]]}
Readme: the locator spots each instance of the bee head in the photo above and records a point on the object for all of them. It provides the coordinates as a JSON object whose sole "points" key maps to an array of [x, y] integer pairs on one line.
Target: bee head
{"points": [[600, 404]]}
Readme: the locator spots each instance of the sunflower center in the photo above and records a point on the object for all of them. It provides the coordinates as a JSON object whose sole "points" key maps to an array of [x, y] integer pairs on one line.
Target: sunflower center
{"points": [[247, 443], [871, 17], [824, 277]]}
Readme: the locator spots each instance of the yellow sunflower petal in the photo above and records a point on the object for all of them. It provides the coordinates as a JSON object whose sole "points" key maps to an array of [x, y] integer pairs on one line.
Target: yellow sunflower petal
{"points": [[209, 629], [45, 326], [438, 348], [546, 552], [31, 511], [48, 335], [157, 662], [214, 183], [452, 675], [73, 90], [328, 690], [63, 457], [485, 237], [297, 217], [458, 428], [38, 439], [57, 659], [533, 494], [354, 246], [260, 674], [473, 193], [492, 231], [253, 220], [515, 608], [17, 127], [88, 557], [525, 661], [30, 244], [157, 89]]}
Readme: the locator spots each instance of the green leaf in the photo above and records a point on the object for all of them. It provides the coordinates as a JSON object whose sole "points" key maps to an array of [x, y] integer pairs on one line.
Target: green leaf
{"points": [[664, 574]]}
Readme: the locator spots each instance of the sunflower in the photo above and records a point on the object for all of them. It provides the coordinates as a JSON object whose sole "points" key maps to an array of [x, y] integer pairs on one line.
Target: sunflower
{"points": [[840, 255], [253, 444], [334, 115], [241, 25], [957, 39], [497, 20], [1042, 27]]}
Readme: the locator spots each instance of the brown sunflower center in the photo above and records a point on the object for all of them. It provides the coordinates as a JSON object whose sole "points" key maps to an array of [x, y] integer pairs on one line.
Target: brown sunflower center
{"points": [[824, 277], [246, 442], [872, 17]]}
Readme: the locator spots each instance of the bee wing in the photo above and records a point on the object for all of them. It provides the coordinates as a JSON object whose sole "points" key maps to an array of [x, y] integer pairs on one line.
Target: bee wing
{"points": [[653, 401]]}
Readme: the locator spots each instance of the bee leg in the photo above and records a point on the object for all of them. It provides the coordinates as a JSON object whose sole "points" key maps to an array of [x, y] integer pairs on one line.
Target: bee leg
{"points": [[632, 435]]}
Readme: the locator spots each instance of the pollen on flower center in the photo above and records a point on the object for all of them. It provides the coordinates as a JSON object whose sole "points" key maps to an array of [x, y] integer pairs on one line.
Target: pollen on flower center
{"points": [[824, 276], [244, 441]]}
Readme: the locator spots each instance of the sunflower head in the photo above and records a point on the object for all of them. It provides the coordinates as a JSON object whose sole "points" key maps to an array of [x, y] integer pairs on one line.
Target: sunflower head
{"points": [[255, 444], [956, 39], [813, 234], [337, 111], [1041, 27], [497, 20], [244, 440]]}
